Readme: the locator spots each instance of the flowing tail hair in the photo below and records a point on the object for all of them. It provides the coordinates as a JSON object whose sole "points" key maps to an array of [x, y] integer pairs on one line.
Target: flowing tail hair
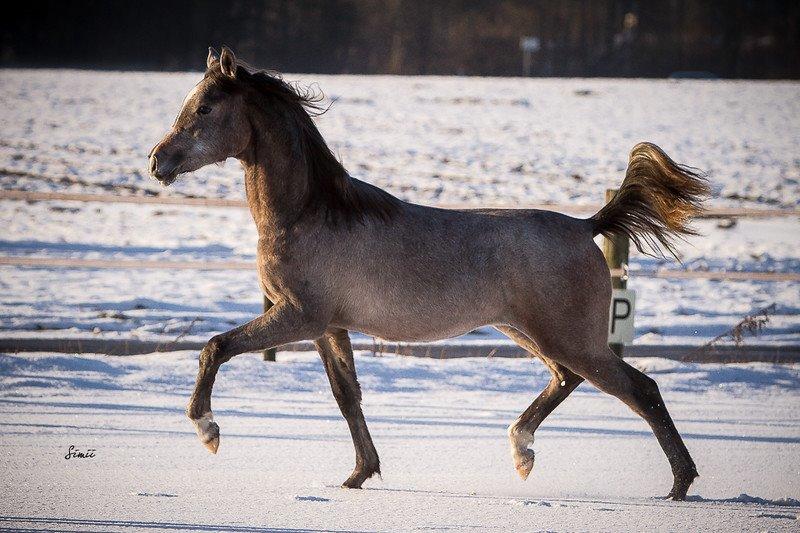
{"points": [[655, 202]]}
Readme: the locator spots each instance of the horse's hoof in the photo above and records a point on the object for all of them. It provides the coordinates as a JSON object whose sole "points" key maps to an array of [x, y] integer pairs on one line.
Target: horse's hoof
{"points": [[207, 431], [678, 492], [356, 479], [681, 486], [360, 475], [520, 440], [524, 464], [212, 445], [677, 495]]}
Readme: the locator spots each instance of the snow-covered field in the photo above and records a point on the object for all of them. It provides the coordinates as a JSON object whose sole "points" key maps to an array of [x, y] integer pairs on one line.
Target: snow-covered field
{"points": [[429, 139], [464, 141], [439, 426]]}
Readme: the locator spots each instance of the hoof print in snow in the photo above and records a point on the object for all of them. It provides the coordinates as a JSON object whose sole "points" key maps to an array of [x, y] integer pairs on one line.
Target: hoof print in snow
{"points": [[311, 499], [534, 503]]}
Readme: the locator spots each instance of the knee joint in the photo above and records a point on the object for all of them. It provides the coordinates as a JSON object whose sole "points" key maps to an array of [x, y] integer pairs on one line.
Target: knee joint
{"points": [[212, 351], [647, 390], [649, 386]]}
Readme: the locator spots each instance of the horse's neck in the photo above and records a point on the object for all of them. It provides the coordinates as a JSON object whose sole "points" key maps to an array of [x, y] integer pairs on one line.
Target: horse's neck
{"points": [[276, 189]]}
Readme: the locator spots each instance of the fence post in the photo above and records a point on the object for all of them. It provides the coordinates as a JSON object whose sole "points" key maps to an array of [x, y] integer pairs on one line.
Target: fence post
{"points": [[616, 250], [269, 355]]}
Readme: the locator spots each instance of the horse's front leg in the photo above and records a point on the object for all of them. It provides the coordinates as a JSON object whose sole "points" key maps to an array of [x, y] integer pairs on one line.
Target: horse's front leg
{"points": [[337, 356], [283, 323]]}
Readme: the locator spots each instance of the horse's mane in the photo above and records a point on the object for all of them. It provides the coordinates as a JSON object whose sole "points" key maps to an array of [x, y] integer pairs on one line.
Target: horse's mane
{"points": [[331, 189]]}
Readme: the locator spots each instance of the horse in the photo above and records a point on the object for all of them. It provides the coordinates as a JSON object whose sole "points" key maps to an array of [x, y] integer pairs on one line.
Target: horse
{"points": [[336, 254]]}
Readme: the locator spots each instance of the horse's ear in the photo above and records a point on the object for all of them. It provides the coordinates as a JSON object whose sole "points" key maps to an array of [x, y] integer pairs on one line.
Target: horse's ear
{"points": [[212, 57], [227, 62]]}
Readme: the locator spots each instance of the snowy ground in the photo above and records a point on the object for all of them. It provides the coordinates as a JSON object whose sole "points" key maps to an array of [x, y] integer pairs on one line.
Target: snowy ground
{"points": [[438, 425], [448, 140]]}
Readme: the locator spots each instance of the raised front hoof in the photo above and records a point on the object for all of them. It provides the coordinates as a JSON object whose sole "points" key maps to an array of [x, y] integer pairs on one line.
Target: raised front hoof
{"points": [[207, 431], [212, 445], [358, 477], [681, 486], [524, 463], [521, 441]]}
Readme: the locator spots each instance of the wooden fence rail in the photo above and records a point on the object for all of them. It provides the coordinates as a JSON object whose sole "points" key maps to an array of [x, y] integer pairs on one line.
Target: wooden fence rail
{"points": [[685, 353]]}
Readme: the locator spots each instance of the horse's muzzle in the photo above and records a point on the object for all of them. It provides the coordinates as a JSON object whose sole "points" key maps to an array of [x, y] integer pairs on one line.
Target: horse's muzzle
{"points": [[164, 169], [153, 166]]}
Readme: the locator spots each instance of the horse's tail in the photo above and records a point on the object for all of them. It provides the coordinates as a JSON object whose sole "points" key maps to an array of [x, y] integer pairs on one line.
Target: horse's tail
{"points": [[655, 202]]}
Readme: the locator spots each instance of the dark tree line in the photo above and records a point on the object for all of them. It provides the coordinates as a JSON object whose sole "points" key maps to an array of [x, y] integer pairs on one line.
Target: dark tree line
{"points": [[737, 38]]}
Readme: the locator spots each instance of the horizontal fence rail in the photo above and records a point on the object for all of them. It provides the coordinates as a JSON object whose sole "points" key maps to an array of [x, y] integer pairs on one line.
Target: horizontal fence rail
{"points": [[144, 264], [689, 354], [135, 264], [588, 209]]}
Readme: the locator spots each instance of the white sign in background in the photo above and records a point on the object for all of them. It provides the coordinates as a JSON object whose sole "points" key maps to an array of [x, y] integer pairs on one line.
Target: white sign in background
{"points": [[620, 317]]}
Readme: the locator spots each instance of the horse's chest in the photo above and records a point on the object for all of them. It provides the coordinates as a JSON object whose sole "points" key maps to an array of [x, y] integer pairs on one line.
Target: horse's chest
{"points": [[280, 270], [272, 276]]}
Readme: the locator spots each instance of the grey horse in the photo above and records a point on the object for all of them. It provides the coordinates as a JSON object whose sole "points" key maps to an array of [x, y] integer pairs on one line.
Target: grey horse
{"points": [[337, 254]]}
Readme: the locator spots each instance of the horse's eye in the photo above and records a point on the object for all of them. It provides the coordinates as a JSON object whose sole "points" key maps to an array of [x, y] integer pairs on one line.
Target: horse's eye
{"points": [[204, 110]]}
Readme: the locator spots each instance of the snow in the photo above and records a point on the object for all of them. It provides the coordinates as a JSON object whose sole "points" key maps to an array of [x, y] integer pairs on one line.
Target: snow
{"points": [[473, 140], [439, 427]]}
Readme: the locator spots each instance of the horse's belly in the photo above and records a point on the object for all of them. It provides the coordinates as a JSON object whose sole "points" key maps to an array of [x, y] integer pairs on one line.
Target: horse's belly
{"points": [[420, 326], [412, 334], [415, 306]]}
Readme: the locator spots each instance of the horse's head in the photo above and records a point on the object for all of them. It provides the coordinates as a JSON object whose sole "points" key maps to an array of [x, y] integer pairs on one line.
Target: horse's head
{"points": [[211, 126]]}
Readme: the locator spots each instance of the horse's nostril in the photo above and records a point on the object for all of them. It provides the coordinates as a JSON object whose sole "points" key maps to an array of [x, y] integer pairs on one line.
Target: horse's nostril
{"points": [[153, 165]]}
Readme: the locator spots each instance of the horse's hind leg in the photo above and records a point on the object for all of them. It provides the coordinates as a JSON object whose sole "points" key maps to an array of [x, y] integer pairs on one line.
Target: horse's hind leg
{"points": [[612, 375], [640, 392], [337, 356], [562, 383]]}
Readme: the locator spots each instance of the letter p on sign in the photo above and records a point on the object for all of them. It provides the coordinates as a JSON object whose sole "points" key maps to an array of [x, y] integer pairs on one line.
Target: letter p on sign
{"points": [[620, 316]]}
